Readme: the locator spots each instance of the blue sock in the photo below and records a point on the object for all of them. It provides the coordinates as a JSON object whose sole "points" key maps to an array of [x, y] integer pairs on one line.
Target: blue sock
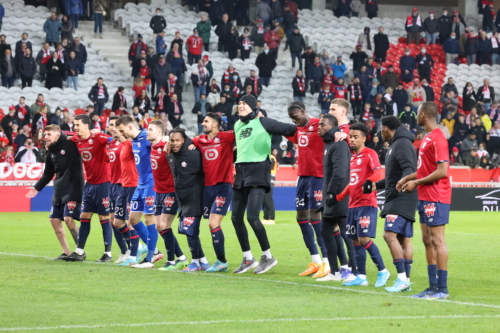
{"points": [[374, 252], [400, 265], [340, 248], [319, 238], [107, 234], [218, 242], [134, 243], [152, 240], [308, 234], [408, 264], [142, 231], [432, 272], [169, 240], [360, 254], [120, 240], [83, 233], [442, 280], [125, 230], [194, 246]]}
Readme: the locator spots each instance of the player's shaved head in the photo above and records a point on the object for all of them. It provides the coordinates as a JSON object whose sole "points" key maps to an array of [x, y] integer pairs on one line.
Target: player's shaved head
{"points": [[427, 112]]}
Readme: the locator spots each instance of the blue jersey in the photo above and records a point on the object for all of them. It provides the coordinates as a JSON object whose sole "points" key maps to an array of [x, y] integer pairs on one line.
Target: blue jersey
{"points": [[142, 155]]}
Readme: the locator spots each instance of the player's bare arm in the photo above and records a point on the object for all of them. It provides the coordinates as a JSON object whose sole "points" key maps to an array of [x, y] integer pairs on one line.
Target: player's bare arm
{"points": [[440, 172]]}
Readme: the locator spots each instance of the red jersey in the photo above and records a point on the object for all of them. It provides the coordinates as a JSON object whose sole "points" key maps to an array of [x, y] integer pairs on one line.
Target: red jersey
{"points": [[218, 157], [130, 176], [114, 149], [194, 44], [363, 165], [311, 145], [162, 174], [94, 156], [347, 130], [434, 150]]}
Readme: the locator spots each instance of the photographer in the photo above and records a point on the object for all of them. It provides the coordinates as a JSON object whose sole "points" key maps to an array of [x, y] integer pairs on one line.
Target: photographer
{"points": [[339, 68], [28, 153]]}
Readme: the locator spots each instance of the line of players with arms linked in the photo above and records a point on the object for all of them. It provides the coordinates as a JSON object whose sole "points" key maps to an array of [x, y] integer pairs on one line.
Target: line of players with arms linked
{"points": [[136, 175]]}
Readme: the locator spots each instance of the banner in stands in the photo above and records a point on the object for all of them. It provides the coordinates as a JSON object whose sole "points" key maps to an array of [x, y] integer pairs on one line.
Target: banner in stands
{"points": [[21, 171]]}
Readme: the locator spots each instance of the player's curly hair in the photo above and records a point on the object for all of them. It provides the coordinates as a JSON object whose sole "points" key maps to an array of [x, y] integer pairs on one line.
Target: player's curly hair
{"points": [[182, 131], [360, 127]]}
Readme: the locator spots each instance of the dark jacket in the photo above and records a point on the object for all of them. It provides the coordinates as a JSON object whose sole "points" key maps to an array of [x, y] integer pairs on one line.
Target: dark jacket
{"points": [[483, 45], [160, 73], [449, 87], [315, 72], [250, 82], [444, 27], [197, 107], [381, 44], [94, 93], [276, 11], [288, 20], [257, 38], [80, 52], [390, 79], [431, 26], [470, 46], [27, 66], [408, 117], [400, 161], [358, 59], [469, 99], [415, 27], [407, 63], [117, 102], [325, 99], [451, 46], [460, 131], [336, 159], [371, 7], [266, 63], [296, 89], [296, 43], [187, 170], [63, 160], [4, 66], [480, 97], [138, 103], [158, 24], [426, 64], [223, 30], [73, 65], [400, 97], [429, 93], [171, 113]]}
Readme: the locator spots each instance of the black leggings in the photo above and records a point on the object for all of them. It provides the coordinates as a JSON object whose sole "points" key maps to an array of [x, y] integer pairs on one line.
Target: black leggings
{"points": [[249, 199], [329, 224]]}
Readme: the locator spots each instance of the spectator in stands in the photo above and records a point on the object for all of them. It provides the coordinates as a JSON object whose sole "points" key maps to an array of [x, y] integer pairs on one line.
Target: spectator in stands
{"points": [[449, 86], [413, 27], [416, 95], [245, 44], [460, 130], [299, 85], [355, 96], [485, 119], [276, 11], [204, 27], [139, 86], [2, 15], [136, 48], [431, 28], [358, 57], [199, 80], [448, 121], [409, 117], [451, 48], [233, 43], [55, 118], [40, 119], [8, 121], [145, 72], [161, 101], [216, 12], [458, 28], [23, 40], [471, 117], [27, 69], [257, 36], [488, 16], [339, 67], [143, 102], [445, 23], [99, 7], [176, 62], [214, 93], [377, 109], [339, 89], [28, 153], [308, 57], [3, 46], [81, 53], [469, 143], [8, 69], [495, 49], [400, 97], [254, 82], [174, 111], [471, 47], [263, 11], [273, 40], [224, 109], [364, 80], [344, 8], [236, 87], [479, 130], [482, 152], [391, 108], [371, 8], [390, 78], [315, 76], [407, 65], [72, 67], [486, 94], [266, 64], [53, 29], [470, 158], [288, 21], [177, 40], [223, 30], [119, 101], [374, 89], [325, 98], [23, 112], [295, 41], [157, 23], [99, 96], [55, 72], [483, 48], [39, 103], [325, 61], [486, 163], [7, 155], [20, 55], [194, 46], [366, 42], [228, 94], [429, 92], [382, 44], [66, 28], [456, 159], [424, 65], [161, 45], [201, 108]]}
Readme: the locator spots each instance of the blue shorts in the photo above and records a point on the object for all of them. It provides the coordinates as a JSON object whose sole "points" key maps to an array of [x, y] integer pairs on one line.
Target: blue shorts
{"points": [[362, 222], [96, 199], [70, 208], [126, 198], [398, 225], [309, 193], [143, 200], [189, 225], [166, 203], [433, 213], [115, 193], [217, 199]]}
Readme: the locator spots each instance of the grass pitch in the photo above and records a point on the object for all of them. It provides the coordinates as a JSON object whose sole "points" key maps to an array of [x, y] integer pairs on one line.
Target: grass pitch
{"points": [[39, 294]]}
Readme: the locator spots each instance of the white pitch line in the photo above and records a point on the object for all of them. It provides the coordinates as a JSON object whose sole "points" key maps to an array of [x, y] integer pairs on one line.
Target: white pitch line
{"points": [[354, 290], [243, 321]]}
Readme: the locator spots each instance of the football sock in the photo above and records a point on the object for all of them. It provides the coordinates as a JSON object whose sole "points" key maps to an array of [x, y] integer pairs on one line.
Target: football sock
{"points": [[83, 233], [340, 247], [317, 225], [203, 260], [134, 243], [194, 246], [107, 234], [267, 253], [152, 240], [360, 252], [196, 261], [142, 231], [125, 230], [120, 240], [442, 280], [169, 240], [400, 268], [432, 272], [248, 255], [315, 258], [408, 263], [374, 252], [178, 251], [218, 243], [326, 262], [308, 235], [182, 258]]}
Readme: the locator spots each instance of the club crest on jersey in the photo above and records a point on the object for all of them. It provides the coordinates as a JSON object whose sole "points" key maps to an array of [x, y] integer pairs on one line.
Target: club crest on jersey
{"points": [[391, 218], [187, 221], [429, 209], [220, 201], [63, 152], [184, 164], [159, 150], [105, 202], [71, 205], [364, 222], [318, 195], [150, 201], [169, 201], [311, 128], [216, 140], [91, 141]]}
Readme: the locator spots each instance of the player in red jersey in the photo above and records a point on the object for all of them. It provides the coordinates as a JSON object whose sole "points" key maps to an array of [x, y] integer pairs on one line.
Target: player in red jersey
{"points": [[165, 203], [92, 149], [217, 154], [309, 195], [363, 209], [434, 194]]}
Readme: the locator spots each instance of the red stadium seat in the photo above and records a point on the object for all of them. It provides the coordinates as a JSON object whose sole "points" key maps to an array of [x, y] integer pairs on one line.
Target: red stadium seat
{"points": [[1, 111], [402, 40], [80, 111]]}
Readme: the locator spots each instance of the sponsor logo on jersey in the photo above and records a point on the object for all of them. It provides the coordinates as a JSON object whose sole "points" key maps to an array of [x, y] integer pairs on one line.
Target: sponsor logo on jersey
{"points": [[430, 209], [311, 128], [318, 195], [105, 202], [364, 222], [245, 133], [150, 201], [216, 140], [71, 205], [220, 201], [391, 218], [187, 221], [169, 201]]}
